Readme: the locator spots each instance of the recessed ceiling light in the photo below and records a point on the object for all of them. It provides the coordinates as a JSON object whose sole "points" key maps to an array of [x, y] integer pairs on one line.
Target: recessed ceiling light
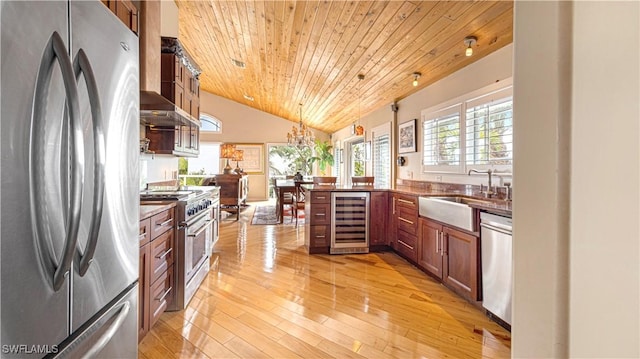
{"points": [[239, 63], [250, 98]]}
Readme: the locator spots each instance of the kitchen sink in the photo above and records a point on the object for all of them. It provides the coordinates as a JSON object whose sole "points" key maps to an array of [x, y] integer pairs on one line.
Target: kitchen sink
{"points": [[463, 200], [452, 210]]}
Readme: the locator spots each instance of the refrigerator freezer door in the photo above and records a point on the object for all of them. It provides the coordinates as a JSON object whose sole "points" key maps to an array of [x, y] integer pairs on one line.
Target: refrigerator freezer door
{"points": [[112, 52], [107, 335], [33, 313]]}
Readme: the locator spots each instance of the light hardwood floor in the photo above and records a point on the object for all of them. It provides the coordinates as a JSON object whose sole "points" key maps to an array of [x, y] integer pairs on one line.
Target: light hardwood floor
{"points": [[270, 299]]}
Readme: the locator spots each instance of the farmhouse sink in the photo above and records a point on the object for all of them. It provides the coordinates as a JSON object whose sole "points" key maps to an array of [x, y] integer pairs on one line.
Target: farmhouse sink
{"points": [[453, 210]]}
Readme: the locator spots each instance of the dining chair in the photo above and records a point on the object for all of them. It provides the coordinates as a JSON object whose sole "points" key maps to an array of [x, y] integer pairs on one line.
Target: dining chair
{"points": [[324, 181], [362, 181], [287, 200], [299, 201]]}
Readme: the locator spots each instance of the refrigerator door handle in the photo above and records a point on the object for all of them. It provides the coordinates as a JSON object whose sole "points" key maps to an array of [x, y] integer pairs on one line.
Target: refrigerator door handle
{"points": [[104, 340], [57, 51], [81, 65]]}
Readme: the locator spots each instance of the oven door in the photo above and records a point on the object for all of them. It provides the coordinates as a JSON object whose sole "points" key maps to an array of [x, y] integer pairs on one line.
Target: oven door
{"points": [[199, 234]]}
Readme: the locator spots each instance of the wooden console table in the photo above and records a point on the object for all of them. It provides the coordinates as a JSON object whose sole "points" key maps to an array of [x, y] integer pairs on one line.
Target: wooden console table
{"points": [[233, 192]]}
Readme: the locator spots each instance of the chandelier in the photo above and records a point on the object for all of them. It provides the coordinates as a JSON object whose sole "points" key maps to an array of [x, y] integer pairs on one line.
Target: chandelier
{"points": [[301, 136]]}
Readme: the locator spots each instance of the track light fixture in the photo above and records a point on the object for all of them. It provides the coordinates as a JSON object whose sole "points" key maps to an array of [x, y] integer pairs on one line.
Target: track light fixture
{"points": [[469, 41], [416, 76]]}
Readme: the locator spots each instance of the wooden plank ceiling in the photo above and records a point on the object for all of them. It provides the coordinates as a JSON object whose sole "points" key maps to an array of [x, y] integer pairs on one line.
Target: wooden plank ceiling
{"points": [[311, 52]]}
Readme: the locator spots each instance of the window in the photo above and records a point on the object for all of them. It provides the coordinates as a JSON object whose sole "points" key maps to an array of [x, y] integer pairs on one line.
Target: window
{"points": [[475, 132], [193, 170], [357, 159], [209, 123], [490, 133], [441, 138], [382, 155], [337, 161]]}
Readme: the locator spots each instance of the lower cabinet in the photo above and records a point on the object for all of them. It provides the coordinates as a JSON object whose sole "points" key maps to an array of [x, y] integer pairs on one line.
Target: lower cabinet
{"points": [[378, 213], [450, 255], [143, 291], [156, 280], [317, 226]]}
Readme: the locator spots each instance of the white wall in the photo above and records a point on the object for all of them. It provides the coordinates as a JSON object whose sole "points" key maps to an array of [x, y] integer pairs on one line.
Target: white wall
{"points": [[494, 67], [605, 181], [576, 211], [540, 201], [243, 124]]}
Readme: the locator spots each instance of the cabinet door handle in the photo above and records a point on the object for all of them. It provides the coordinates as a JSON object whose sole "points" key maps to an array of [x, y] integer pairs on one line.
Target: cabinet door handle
{"points": [[320, 236], [442, 244], [142, 235], [164, 254], [320, 214], [405, 220], [164, 295], [165, 222], [405, 201], [321, 197], [394, 205], [437, 241]]}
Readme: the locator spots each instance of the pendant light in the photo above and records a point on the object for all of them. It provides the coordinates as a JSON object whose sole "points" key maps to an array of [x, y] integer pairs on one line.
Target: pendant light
{"points": [[359, 130]]}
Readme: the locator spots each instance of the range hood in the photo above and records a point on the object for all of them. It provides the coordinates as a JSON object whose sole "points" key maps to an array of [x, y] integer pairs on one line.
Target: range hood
{"points": [[157, 110]]}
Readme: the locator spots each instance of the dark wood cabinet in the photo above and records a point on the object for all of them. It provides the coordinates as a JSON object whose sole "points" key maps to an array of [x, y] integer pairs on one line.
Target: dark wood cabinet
{"points": [[430, 255], [180, 85], [451, 256], [404, 225], [180, 141], [317, 226], [143, 291], [378, 213], [126, 11], [234, 189], [155, 283]]}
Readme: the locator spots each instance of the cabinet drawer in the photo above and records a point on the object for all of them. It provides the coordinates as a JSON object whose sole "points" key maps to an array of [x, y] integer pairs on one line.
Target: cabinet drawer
{"points": [[161, 222], [161, 296], [161, 255], [144, 235], [320, 197], [406, 245], [407, 201], [320, 214], [320, 236], [407, 220]]}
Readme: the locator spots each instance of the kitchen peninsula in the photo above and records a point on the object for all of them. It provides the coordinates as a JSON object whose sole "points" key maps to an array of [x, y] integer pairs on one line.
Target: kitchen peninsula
{"points": [[395, 222]]}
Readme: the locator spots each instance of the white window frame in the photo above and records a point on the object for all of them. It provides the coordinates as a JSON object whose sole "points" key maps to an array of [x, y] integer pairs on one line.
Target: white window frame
{"points": [[448, 111], [493, 92], [210, 118]]}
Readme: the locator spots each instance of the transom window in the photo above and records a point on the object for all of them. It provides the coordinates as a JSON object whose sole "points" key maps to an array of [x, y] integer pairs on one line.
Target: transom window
{"points": [[209, 123], [475, 132]]}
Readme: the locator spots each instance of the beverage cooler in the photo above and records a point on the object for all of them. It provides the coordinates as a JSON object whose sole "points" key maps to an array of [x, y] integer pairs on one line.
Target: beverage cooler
{"points": [[349, 222]]}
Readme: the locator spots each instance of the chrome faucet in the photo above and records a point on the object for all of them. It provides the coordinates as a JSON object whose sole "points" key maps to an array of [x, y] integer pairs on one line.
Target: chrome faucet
{"points": [[489, 191]]}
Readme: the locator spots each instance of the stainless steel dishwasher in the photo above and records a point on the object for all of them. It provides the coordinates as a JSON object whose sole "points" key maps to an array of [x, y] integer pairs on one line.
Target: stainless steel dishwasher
{"points": [[497, 265]]}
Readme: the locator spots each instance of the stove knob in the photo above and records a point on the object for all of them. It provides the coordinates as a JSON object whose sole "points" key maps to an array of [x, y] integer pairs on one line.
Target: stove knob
{"points": [[190, 211]]}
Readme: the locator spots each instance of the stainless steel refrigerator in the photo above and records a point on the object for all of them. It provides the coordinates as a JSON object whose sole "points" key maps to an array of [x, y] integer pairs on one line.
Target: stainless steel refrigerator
{"points": [[69, 181]]}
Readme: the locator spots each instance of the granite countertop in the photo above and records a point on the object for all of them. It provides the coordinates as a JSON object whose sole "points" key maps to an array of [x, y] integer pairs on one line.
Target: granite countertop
{"points": [[494, 205], [148, 210]]}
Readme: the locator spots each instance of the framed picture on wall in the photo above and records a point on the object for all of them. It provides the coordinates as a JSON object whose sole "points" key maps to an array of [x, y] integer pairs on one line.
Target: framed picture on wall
{"points": [[253, 157], [407, 137]]}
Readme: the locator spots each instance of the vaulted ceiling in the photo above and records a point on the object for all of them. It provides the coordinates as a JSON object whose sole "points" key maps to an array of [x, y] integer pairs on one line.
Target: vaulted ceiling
{"points": [[311, 52]]}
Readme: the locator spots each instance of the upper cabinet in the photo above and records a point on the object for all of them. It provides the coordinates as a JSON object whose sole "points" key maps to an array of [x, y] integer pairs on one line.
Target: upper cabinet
{"points": [[125, 11], [173, 119]]}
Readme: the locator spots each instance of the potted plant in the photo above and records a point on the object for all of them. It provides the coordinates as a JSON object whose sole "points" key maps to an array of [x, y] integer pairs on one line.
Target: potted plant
{"points": [[324, 155]]}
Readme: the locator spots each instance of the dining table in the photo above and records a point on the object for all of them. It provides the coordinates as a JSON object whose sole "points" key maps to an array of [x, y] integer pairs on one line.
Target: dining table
{"points": [[282, 187]]}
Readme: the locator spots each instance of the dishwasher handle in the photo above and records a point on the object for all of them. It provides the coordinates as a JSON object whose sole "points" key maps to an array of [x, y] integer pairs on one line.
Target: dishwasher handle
{"points": [[506, 231]]}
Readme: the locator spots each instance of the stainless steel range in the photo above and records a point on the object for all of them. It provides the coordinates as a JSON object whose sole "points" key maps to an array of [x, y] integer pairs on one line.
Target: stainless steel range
{"points": [[197, 215]]}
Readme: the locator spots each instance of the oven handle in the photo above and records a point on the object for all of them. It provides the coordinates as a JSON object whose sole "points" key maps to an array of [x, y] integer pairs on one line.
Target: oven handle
{"points": [[201, 229]]}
